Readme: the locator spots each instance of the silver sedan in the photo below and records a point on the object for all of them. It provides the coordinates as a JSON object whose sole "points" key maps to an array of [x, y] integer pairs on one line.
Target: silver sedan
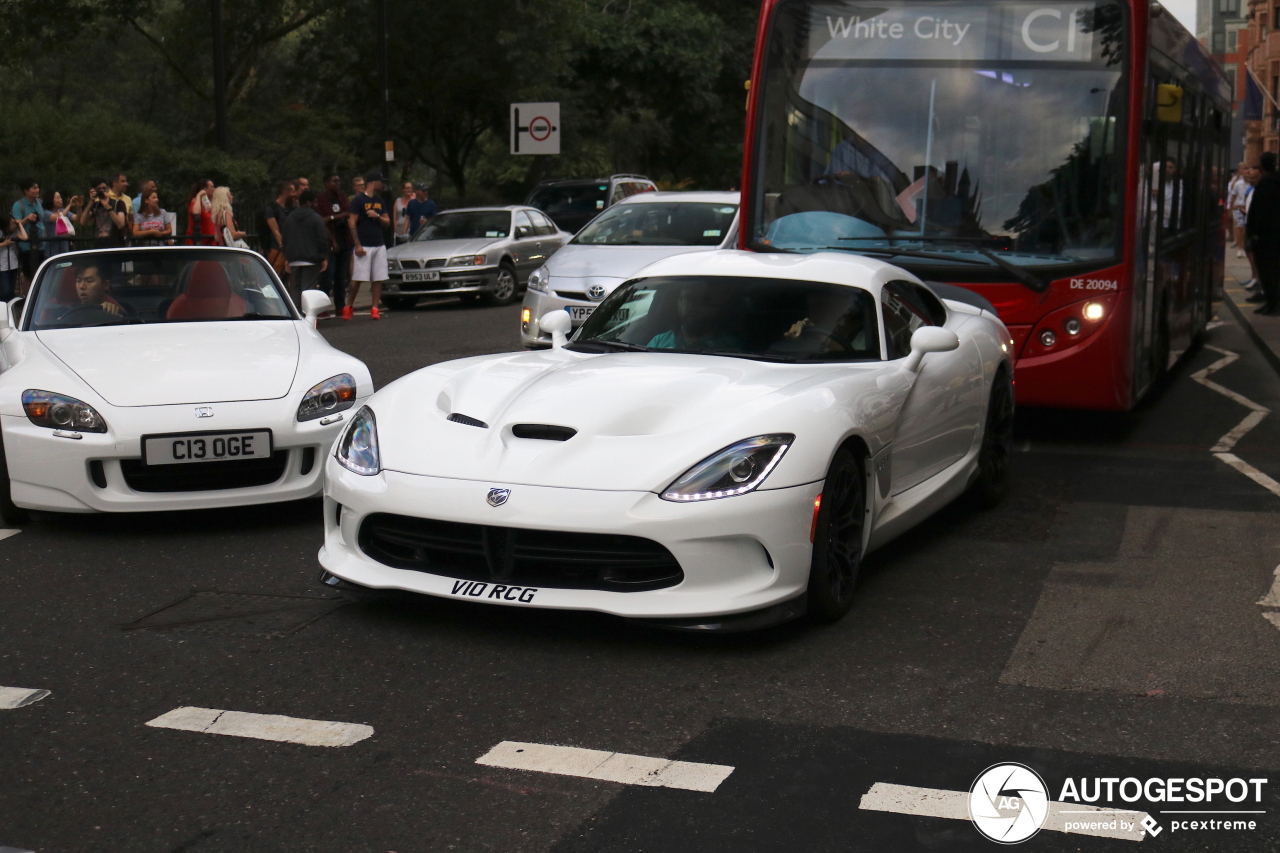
{"points": [[476, 252]]}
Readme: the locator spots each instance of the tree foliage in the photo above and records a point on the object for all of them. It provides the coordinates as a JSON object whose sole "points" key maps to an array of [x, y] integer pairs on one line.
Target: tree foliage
{"points": [[653, 86]]}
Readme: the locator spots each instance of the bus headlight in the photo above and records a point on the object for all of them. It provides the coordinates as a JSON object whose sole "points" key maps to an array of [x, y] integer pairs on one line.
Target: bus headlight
{"points": [[1093, 311]]}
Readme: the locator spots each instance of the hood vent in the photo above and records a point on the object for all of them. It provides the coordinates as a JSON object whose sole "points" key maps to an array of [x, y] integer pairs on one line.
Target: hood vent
{"points": [[546, 432], [469, 421]]}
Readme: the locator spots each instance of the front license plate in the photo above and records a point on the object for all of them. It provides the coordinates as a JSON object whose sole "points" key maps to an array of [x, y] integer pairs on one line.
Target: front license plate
{"points": [[498, 591], [429, 275], [181, 448], [578, 315]]}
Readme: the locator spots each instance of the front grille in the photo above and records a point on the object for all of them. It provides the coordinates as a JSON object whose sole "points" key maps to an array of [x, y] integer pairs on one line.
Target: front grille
{"points": [[434, 262], [421, 265], [573, 294], [542, 558], [409, 265], [204, 476]]}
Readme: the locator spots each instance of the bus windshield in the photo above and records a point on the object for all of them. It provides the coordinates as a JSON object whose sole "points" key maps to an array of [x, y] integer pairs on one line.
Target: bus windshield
{"points": [[937, 133]]}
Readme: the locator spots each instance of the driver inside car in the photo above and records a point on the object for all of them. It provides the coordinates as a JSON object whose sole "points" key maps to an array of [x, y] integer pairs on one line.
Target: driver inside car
{"points": [[94, 289], [700, 328]]}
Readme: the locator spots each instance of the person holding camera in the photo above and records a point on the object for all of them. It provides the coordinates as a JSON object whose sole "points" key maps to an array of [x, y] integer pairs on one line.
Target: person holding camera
{"points": [[107, 217]]}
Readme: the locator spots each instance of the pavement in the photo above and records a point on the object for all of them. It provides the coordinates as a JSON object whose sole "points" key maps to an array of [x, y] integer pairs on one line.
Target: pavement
{"points": [[1264, 331], [179, 682]]}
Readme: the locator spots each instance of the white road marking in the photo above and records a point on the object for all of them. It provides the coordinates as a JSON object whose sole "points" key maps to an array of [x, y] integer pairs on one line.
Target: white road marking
{"points": [[5, 533], [18, 697], [263, 726], [15, 850], [606, 766], [1222, 450], [954, 805], [1213, 324]]}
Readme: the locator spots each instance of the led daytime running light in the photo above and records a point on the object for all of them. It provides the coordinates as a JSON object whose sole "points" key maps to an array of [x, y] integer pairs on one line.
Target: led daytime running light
{"points": [[735, 470], [357, 449]]}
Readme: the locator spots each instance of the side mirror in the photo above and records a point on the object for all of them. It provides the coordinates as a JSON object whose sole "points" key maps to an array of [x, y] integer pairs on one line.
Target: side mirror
{"points": [[558, 324], [522, 232], [315, 303], [929, 339]]}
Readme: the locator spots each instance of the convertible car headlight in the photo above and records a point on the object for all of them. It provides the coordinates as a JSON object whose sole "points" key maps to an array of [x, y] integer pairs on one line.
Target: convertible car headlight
{"points": [[358, 448], [736, 470], [57, 411], [467, 261], [538, 280], [335, 394]]}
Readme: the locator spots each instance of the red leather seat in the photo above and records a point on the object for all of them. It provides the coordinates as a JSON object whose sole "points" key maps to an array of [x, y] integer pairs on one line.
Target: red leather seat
{"points": [[208, 296]]}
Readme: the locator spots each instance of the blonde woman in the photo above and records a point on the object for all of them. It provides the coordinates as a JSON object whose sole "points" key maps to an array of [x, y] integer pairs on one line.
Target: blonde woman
{"points": [[224, 218]]}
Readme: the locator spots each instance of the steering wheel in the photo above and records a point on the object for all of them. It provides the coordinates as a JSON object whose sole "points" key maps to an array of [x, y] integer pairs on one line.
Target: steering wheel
{"points": [[85, 315], [830, 335]]}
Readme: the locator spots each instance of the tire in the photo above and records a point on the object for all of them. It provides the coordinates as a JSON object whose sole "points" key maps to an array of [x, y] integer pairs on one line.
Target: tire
{"points": [[10, 513], [837, 540], [399, 303], [504, 289], [992, 483]]}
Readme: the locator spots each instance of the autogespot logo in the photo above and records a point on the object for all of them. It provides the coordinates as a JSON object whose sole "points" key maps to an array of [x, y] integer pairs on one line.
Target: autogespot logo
{"points": [[1008, 803]]}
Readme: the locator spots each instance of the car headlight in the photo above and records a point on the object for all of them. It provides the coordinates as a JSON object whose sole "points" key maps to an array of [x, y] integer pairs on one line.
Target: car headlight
{"points": [[736, 470], [467, 261], [358, 448], [58, 411], [335, 394], [393, 264], [538, 280]]}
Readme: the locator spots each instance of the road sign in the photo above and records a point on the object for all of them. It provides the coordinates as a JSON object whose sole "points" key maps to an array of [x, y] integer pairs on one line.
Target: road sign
{"points": [[535, 128]]}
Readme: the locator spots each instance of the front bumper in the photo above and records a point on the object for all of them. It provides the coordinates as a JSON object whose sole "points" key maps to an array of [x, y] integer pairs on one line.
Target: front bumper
{"points": [[466, 280], [48, 472], [538, 304], [738, 555]]}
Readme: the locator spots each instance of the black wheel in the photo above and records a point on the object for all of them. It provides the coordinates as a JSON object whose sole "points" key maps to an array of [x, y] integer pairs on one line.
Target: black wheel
{"points": [[399, 303], [10, 513], [504, 287], [837, 540], [992, 484]]}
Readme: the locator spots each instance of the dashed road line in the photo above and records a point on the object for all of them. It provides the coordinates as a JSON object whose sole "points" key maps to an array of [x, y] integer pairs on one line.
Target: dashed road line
{"points": [[954, 805], [5, 533], [606, 766], [262, 726], [1222, 450], [20, 697]]}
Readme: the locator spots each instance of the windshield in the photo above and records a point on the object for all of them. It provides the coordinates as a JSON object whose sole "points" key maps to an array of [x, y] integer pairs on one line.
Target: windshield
{"points": [[676, 223], [572, 201], [469, 225], [158, 286], [968, 130], [770, 319]]}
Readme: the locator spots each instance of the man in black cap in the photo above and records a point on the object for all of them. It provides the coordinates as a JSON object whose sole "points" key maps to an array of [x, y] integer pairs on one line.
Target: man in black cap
{"points": [[369, 220], [420, 208], [1262, 233]]}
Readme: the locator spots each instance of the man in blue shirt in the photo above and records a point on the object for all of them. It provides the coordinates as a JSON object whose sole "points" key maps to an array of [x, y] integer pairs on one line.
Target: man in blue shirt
{"points": [[419, 208], [370, 219], [29, 210]]}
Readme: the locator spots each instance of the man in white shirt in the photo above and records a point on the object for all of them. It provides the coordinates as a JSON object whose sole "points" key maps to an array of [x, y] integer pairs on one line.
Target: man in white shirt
{"points": [[1237, 191]]}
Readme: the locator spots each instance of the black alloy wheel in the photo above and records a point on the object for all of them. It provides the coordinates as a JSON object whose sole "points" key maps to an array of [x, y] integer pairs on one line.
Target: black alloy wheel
{"points": [[504, 287], [992, 483], [399, 303], [837, 540], [10, 513]]}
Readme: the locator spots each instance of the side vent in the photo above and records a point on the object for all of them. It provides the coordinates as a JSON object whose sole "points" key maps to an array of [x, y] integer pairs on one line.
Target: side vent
{"points": [[463, 419], [546, 432]]}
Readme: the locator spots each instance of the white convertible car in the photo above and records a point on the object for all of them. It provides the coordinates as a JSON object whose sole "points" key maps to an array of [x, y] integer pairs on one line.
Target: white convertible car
{"points": [[166, 378], [717, 447]]}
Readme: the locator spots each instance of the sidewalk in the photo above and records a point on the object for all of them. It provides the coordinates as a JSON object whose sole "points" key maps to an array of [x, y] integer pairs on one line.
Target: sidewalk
{"points": [[1265, 331]]}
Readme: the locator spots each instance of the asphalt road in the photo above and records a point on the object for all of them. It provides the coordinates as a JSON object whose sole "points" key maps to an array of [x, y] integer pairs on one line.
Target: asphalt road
{"points": [[1103, 622]]}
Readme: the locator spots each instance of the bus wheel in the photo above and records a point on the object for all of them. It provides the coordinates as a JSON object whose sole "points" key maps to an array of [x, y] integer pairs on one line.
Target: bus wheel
{"points": [[992, 483], [837, 540]]}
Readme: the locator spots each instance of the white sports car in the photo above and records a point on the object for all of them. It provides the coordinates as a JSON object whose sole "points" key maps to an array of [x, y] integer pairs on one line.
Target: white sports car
{"points": [[165, 378], [717, 448]]}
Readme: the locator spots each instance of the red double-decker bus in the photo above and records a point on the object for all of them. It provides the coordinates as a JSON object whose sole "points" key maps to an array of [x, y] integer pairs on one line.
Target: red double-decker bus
{"points": [[1067, 161]]}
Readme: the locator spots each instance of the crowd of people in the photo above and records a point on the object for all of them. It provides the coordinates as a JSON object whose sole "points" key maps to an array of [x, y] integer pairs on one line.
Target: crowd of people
{"points": [[326, 240]]}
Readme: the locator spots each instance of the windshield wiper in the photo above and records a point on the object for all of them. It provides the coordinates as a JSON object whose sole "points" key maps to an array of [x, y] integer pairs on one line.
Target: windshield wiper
{"points": [[905, 253], [607, 346], [1022, 274], [784, 359]]}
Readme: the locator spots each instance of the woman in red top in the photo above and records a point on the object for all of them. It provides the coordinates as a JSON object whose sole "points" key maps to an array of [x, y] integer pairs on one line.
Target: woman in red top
{"points": [[200, 215]]}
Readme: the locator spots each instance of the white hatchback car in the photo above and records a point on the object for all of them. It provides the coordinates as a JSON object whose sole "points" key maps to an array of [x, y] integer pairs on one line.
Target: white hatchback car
{"points": [[630, 235], [166, 378]]}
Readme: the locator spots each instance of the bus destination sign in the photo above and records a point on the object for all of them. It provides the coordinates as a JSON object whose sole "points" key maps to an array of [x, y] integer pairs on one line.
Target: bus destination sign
{"points": [[1045, 32]]}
